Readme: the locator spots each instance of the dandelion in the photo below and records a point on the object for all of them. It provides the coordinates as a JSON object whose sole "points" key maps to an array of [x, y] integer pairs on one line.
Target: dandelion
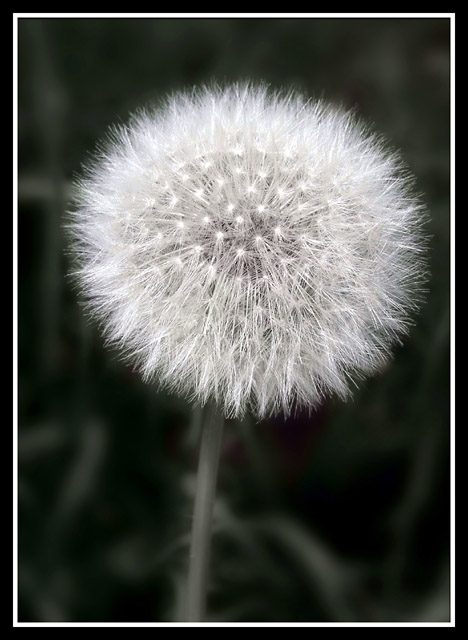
{"points": [[241, 183], [250, 248]]}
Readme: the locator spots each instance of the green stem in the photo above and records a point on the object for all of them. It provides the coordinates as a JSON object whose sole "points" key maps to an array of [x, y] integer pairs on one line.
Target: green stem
{"points": [[212, 432]]}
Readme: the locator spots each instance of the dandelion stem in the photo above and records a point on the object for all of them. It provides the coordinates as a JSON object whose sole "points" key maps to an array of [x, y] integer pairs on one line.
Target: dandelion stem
{"points": [[212, 431]]}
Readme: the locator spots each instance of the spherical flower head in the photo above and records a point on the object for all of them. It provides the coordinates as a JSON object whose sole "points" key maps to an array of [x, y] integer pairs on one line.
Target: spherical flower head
{"points": [[249, 247]]}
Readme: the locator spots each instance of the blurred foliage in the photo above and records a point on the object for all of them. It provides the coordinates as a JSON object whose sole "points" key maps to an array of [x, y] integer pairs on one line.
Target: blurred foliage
{"points": [[342, 515]]}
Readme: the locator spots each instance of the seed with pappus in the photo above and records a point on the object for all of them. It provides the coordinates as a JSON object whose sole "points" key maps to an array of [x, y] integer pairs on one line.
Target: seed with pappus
{"points": [[249, 247]]}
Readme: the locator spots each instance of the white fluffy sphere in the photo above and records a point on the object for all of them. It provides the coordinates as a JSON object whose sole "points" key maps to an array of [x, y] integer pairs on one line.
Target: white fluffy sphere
{"points": [[249, 247]]}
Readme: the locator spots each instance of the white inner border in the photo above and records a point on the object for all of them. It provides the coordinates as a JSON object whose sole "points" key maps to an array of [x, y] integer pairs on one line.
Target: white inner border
{"points": [[451, 16]]}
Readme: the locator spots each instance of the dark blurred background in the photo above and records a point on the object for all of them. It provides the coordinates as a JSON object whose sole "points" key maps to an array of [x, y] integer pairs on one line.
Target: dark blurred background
{"points": [[338, 516]]}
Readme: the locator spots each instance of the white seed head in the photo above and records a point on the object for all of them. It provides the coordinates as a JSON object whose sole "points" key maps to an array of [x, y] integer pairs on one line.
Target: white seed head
{"points": [[249, 247]]}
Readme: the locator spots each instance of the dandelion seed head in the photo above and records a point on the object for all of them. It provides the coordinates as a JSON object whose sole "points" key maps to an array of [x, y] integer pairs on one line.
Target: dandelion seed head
{"points": [[249, 247]]}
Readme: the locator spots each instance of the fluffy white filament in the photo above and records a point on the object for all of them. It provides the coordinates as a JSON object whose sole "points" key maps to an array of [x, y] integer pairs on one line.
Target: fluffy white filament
{"points": [[249, 247]]}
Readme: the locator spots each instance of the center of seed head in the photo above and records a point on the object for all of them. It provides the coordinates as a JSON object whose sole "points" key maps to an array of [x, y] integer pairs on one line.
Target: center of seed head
{"points": [[231, 210], [240, 239], [239, 203]]}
